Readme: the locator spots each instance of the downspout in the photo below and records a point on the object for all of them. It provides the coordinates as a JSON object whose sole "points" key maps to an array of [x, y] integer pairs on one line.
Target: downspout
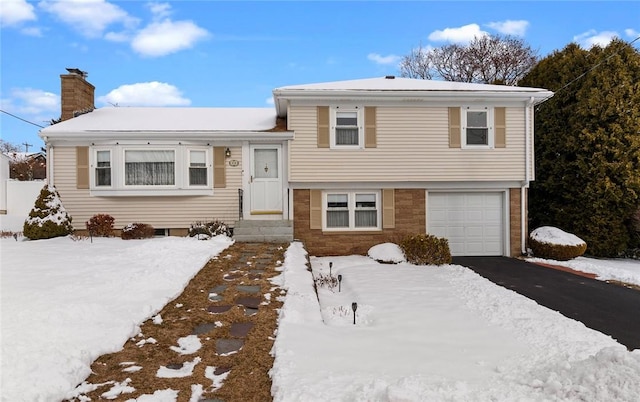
{"points": [[528, 129], [49, 180]]}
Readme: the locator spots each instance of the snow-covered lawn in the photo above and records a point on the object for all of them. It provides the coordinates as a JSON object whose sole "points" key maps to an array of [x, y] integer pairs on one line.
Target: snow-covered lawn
{"points": [[422, 333], [622, 270], [427, 333], [65, 303]]}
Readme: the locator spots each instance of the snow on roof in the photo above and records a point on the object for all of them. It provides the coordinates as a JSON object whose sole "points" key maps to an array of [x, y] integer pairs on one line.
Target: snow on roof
{"points": [[404, 84], [167, 119]]}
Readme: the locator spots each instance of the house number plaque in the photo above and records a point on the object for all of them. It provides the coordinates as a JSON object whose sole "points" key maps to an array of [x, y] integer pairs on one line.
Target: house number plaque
{"points": [[234, 162]]}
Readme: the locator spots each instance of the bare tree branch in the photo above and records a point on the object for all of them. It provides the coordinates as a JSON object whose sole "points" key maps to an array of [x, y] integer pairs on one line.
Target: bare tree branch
{"points": [[491, 59]]}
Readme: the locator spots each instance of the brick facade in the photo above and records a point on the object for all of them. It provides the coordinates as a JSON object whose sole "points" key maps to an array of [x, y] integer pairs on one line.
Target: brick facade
{"points": [[514, 221], [77, 95], [410, 219], [410, 215]]}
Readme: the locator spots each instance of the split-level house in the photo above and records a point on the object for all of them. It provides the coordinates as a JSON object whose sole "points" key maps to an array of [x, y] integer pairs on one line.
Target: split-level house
{"points": [[341, 166]]}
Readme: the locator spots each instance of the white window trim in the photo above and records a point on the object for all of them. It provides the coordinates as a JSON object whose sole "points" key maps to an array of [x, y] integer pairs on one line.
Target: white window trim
{"points": [[94, 164], [180, 187], [352, 209], [463, 127], [359, 110], [208, 165]]}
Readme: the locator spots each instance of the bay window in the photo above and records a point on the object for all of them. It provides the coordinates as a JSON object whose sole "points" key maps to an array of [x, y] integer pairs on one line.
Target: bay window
{"points": [[138, 170]]}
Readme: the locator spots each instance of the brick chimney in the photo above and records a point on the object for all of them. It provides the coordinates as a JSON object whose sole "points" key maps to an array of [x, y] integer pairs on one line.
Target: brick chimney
{"points": [[77, 94]]}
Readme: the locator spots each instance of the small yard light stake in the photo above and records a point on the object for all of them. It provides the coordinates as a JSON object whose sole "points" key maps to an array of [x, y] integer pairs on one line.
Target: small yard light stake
{"points": [[330, 266], [354, 307], [339, 283]]}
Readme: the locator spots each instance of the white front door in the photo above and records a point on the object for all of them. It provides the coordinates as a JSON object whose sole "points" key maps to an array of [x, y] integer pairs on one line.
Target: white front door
{"points": [[266, 180]]}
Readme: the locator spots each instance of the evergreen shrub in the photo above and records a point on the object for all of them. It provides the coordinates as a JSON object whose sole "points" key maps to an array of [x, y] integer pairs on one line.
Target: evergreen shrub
{"points": [[426, 249], [100, 225], [137, 231], [48, 218], [207, 230], [545, 247]]}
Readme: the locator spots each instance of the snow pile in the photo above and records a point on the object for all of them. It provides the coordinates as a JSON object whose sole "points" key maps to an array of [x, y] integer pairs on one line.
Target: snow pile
{"points": [[65, 303], [619, 269], [387, 252], [552, 235], [437, 334]]}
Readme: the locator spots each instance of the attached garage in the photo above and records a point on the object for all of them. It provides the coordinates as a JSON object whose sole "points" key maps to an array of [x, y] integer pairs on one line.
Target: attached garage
{"points": [[473, 222]]}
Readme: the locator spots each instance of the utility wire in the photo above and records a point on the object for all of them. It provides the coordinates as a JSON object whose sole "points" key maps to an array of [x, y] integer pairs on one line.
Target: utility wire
{"points": [[20, 118], [583, 74]]}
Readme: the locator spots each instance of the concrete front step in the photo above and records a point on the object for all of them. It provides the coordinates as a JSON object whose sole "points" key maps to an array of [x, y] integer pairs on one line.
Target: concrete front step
{"points": [[276, 231]]}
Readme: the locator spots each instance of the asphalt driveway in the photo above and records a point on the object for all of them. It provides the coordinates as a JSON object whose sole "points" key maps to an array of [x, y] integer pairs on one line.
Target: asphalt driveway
{"points": [[611, 309]]}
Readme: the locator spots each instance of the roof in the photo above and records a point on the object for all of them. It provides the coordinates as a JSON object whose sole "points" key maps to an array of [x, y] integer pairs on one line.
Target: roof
{"points": [[403, 84], [391, 87], [187, 122], [169, 119]]}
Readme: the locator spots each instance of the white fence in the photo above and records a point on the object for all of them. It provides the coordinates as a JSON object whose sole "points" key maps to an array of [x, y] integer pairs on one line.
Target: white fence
{"points": [[20, 198]]}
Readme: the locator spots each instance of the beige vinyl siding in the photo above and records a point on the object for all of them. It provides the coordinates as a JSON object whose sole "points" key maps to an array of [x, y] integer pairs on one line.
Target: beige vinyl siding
{"points": [[160, 212], [412, 145]]}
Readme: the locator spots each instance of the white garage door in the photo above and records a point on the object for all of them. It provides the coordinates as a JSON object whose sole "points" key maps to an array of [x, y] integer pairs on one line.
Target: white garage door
{"points": [[472, 222]]}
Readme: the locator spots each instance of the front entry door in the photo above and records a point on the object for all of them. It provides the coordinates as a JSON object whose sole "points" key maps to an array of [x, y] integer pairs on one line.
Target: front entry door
{"points": [[266, 180]]}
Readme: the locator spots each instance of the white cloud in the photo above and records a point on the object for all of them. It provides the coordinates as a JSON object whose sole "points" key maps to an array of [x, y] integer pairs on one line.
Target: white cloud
{"points": [[380, 59], [145, 94], [160, 10], [16, 12], [166, 37], [631, 33], [592, 38], [269, 101], [463, 34], [34, 101], [90, 17], [32, 31], [510, 27]]}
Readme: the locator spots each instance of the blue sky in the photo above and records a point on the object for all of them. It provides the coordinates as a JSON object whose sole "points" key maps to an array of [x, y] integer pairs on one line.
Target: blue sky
{"points": [[234, 53]]}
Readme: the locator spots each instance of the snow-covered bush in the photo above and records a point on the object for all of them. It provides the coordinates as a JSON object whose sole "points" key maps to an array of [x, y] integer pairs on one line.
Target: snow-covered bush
{"points": [[387, 253], [137, 231], [426, 249], [207, 230], [48, 218], [100, 225], [555, 244]]}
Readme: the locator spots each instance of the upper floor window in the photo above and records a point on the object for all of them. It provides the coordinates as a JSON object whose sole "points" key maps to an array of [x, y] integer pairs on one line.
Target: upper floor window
{"points": [[149, 168], [477, 127], [103, 168], [346, 127]]}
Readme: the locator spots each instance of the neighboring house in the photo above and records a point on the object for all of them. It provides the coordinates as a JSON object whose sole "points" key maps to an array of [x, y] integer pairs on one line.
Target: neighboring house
{"points": [[350, 163], [27, 166]]}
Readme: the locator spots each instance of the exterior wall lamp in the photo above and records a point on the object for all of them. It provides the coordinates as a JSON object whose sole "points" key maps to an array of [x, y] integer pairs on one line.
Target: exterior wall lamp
{"points": [[227, 153]]}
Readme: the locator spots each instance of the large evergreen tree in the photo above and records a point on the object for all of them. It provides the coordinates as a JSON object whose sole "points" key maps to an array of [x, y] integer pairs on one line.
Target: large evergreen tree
{"points": [[588, 145]]}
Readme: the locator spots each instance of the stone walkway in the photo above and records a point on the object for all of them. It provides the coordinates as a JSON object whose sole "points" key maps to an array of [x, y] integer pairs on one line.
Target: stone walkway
{"points": [[213, 341]]}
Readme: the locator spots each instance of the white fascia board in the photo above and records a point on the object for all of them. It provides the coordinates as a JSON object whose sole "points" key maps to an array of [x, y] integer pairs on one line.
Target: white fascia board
{"points": [[100, 135], [283, 97]]}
